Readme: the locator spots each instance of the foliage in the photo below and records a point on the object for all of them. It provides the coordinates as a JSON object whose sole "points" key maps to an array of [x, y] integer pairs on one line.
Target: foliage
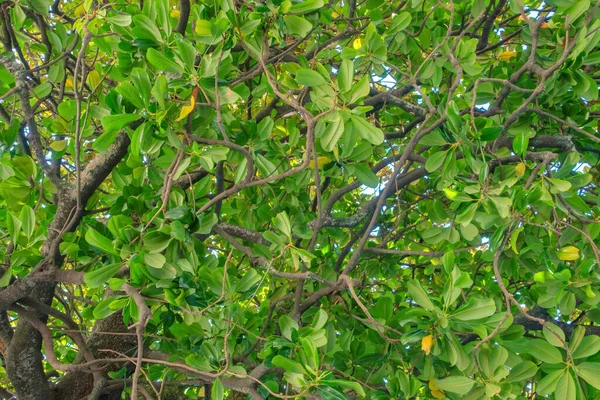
{"points": [[375, 199]]}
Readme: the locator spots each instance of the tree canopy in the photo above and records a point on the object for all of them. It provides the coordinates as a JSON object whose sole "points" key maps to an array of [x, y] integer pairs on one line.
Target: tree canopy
{"points": [[376, 199]]}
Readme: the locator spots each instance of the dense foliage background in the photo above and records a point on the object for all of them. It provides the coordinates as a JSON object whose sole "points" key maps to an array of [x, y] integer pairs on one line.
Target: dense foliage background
{"points": [[380, 199]]}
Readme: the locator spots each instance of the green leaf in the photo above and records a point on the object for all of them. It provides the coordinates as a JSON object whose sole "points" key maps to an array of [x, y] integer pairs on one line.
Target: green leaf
{"points": [[96, 239], [476, 308], [521, 143], [491, 133], [120, 19], [39, 6], [590, 372], [217, 391], [250, 279], [576, 338], [103, 309], [273, 237], [6, 277], [101, 276], [577, 9], [547, 384], [43, 89], [554, 335], [131, 94], [522, 371], [114, 123], [544, 351], [206, 223], [332, 134], [419, 295], [288, 365], [187, 54], [565, 390], [103, 142], [27, 218], [162, 62], [297, 26], [365, 175], [454, 117], [359, 90], [238, 370], [320, 319], [589, 346], [357, 387], [456, 384], [306, 7], [308, 77], [155, 260], [145, 28], [329, 393], [13, 226], [345, 75], [401, 21], [159, 90], [265, 127], [282, 222], [435, 161], [559, 185], [286, 324], [503, 205], [435, 138], [367, 131]]}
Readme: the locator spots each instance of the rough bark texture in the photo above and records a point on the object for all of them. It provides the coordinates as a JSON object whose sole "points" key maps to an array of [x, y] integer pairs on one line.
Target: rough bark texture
{"points": [[79, 384], [24, 357]]}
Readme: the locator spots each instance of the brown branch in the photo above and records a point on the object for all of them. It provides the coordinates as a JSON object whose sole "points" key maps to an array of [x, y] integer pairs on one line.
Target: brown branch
{"points": [[143, 317], [184, 15]]}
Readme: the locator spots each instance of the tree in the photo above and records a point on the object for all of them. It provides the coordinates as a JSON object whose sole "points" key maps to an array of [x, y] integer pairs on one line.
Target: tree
{"points": [[294, 199]]}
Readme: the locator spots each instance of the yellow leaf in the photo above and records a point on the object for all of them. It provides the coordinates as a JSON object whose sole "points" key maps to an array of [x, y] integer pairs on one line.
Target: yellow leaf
{"points": [[544, 25], [175, 13], [357, 44], [436, 391], [321, 161], [507, 55], [203, 27], [79, 11], [69, 83], [451, 193], [568, 253], [58, 145], [426, 344], [520, 169], [93, 78], [186, 110]]}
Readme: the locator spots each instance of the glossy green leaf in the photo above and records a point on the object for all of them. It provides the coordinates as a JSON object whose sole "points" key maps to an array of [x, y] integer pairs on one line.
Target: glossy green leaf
{"points": [[590, 372], [544, 351], [217, 390], [101, 242], [308, 77], [419, 295], [456, 384], [306, 6], [297, 26], [162, 63], [102, 275]]}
